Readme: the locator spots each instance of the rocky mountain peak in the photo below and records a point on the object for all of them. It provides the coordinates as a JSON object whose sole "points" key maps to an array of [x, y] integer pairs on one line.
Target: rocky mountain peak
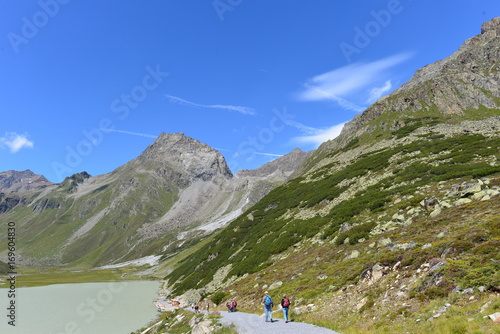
{"points": [[491, 29], [17, 181], [466, 80], [184, 154]]}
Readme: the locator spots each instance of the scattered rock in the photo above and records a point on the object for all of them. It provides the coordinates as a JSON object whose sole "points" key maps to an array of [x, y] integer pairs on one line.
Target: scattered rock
{"points": [[430, 203], [434, 269], [495, 317], [275, 285], [485, 306], [469, 189], [435, 212], [463, 201], [442, 234], [468, 291], [354, 254], [361, 303], [384, 242], [345, 227]]}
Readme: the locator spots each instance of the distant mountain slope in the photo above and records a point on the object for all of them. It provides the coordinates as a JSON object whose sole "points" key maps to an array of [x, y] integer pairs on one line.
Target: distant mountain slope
{"points": [[14, 181], [374, 201], [281, 167], [177, 190]]}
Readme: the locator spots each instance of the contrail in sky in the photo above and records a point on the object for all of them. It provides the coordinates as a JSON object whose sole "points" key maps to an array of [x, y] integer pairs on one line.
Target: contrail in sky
{"points": [[242, 110], [130, 133]]}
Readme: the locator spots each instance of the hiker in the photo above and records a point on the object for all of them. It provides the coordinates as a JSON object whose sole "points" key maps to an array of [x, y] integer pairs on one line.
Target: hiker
{"points": [[233, 304], [285, 304], [196, 308], [268, 306], [229, 306], [208, 308]]}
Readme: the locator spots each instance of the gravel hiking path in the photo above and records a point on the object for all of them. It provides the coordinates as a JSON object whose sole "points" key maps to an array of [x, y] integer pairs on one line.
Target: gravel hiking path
{"points": [[247, 323]]}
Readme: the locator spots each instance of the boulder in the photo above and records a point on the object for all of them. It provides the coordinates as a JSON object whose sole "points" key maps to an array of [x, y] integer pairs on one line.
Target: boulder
{"points": [[495, 317], [469, 189], [275, 285], [463, 201], [354, 254], [430, 203], [435, 212]]}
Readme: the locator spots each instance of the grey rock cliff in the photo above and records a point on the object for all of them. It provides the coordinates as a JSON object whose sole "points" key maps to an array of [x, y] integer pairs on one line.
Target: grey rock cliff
{"points": [[182, 154]]}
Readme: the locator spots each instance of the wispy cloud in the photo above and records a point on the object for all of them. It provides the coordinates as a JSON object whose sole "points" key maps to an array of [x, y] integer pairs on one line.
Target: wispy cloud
{"points": [[377, 92], [15, 142], [130, 133], [343, 103], [269, 154], [242, 110], [319, 136], [362, 82]]}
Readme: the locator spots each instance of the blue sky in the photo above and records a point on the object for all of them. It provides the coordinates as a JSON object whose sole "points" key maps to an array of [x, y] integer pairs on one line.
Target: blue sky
{"points": [[88, 85]]}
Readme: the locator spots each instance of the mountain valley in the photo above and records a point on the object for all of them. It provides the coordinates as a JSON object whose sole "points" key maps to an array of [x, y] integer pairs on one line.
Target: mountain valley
{"points": [[392, 227]]}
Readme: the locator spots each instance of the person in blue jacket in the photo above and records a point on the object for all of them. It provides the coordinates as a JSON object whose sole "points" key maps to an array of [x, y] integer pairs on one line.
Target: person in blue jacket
{"points": [[268, 306]]}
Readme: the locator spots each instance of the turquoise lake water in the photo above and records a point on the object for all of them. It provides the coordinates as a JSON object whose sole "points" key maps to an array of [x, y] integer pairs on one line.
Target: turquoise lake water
{"points": [[94, 308]]}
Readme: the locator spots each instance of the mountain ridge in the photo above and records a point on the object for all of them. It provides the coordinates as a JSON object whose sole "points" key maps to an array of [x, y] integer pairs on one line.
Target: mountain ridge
{"points": [[177, 189], [18, 181]]}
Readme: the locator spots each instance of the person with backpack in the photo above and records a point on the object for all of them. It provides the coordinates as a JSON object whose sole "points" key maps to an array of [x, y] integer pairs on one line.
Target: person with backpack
{"points": [[234, 304], [268, 306], [285, 304]]}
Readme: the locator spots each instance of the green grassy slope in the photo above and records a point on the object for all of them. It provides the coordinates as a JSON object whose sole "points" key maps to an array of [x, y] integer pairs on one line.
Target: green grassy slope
{"points": [[277, 222]]}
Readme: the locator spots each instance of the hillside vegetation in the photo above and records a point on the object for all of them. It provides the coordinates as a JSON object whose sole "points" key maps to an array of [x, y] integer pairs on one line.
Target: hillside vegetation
{"points": [[391, 227]]}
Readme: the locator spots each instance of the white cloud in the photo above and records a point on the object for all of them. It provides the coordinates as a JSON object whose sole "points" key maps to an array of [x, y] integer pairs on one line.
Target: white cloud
{"points": [[242, 110], [356, 79], [320, 136], [377, 92], [14, 142]]}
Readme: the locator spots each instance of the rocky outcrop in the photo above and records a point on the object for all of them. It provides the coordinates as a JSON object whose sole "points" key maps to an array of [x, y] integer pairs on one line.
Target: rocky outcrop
{"points": [[8, 202]]}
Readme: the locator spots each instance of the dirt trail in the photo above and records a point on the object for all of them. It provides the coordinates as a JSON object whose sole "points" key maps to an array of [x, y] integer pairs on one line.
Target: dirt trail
{"points": [[247, 323]]}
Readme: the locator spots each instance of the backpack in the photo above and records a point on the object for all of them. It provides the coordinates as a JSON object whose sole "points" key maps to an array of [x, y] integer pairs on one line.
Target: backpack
{"points": [[268, 301], [286, 302]]}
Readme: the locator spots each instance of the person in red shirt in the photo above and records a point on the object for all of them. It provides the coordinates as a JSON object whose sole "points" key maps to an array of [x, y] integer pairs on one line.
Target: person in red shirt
{"points": [[285, 305]]}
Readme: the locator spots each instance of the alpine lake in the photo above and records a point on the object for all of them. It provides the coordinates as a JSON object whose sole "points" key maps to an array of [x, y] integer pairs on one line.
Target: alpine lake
{"points": [[55, 304]]}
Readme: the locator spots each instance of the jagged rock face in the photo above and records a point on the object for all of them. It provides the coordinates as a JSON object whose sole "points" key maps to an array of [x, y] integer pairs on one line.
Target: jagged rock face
{"points": [[187, 155], [468, 79], [14, 181]]}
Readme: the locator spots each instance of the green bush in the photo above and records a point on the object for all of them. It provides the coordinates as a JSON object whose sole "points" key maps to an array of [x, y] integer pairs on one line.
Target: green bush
{"points": [[355, 233], [218, 297]]}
